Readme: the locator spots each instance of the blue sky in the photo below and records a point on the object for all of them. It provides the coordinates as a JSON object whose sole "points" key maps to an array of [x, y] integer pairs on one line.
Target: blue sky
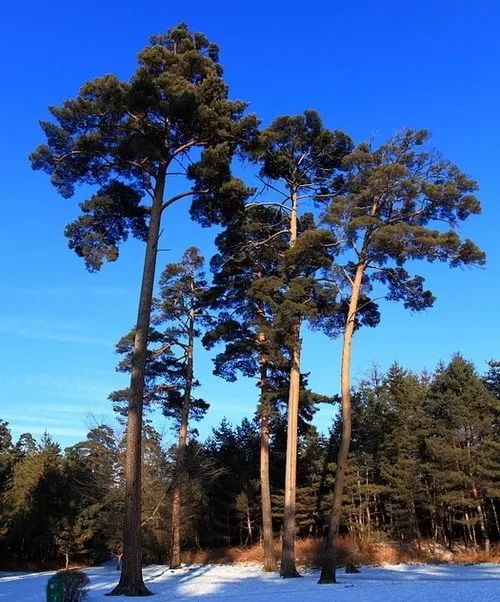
{"points": [[368, 67]]}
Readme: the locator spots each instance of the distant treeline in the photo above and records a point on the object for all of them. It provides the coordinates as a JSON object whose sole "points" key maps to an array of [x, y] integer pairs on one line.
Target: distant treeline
{"points": [[424, 463]]}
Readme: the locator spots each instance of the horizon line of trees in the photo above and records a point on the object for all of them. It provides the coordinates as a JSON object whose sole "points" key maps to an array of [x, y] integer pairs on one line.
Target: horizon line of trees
{"points": [[318, 233], [424, 464]]}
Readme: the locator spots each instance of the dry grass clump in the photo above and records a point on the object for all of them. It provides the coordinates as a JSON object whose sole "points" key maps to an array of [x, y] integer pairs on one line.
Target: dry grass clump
{"points": [[373, 551]]}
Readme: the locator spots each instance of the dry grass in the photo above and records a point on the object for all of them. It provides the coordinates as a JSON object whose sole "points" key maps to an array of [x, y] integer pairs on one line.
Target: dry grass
{"points": [[366, 551]]}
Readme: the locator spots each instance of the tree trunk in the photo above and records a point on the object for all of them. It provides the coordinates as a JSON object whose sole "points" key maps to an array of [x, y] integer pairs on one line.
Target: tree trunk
{"points": [[329, 565], [469, 527], [175, 554], [265, 487], [495, 515], [131, 582], [287, 568], [249, 525], [482, 520]]}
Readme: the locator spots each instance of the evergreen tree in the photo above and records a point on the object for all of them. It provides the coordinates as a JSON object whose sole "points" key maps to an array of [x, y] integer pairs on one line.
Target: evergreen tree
{"points": [[130, 138], [296, 154], [182, 290], [249, 248], [463, 449], [178, 314], [393, 203]]}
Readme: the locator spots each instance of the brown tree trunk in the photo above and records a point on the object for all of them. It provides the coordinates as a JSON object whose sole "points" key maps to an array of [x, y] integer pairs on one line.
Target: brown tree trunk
{"points": [[287, 568], [131, 582], [265, 487], [495, 515], [175, 553], [482, 520], [329, 565]]}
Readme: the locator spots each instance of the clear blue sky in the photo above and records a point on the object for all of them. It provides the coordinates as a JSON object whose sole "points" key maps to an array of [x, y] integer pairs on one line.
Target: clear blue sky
{"points": [[368, 67]]}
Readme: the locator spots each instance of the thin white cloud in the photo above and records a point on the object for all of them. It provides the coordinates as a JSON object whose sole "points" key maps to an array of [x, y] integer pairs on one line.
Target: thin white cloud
{"points": [[63, 393], [49, 330], [54, 431], [68, 291]]}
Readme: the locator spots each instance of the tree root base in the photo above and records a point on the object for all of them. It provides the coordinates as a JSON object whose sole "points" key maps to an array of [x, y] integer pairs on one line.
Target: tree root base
{"points": [[133, 592]]}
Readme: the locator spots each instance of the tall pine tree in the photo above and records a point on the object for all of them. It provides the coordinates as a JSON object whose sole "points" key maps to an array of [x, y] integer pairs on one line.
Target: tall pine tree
{"points": [[131, 138]]}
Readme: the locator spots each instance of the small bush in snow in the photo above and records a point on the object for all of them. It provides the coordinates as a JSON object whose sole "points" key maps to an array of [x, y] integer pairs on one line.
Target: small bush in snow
{"points": [[73, 582]]}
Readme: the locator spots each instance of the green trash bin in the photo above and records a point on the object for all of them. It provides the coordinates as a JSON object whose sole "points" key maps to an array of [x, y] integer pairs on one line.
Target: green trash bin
{"points": [[55, 591]]}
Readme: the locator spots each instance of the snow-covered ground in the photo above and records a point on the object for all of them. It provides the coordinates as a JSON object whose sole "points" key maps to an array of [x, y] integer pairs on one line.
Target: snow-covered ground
{"points": [[242, 583]]}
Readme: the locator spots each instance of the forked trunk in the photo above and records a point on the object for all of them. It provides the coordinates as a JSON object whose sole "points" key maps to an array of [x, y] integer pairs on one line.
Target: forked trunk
{"points": [[175, 550], [287, 568], [329, 565], [265, 487], [131, 582]]}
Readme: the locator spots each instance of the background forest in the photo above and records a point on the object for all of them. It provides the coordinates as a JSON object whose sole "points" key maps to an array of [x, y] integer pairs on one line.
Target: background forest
{"points": [[424, 464]]}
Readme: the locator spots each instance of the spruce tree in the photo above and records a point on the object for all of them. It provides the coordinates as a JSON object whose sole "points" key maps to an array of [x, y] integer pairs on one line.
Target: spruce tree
{"points": [[463, 449]]}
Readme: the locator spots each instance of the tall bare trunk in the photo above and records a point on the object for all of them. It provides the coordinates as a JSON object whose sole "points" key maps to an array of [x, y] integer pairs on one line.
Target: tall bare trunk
{"points": [[329, 565], [287, 568], [482, 520], [131, 582], [265, 487], [175, 554], [495, 515]]}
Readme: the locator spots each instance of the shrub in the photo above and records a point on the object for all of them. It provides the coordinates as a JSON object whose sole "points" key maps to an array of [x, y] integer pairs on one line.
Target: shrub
{"points": [[73, 582]]}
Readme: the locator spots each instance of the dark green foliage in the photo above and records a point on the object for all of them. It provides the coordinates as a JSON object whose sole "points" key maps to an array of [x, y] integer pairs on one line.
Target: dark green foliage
{"points": [[298, 158], [235, 452], [108, 218], [397, 203], [424, 458], [182, 291], [300, 150], [121, 135], [74, 584]]}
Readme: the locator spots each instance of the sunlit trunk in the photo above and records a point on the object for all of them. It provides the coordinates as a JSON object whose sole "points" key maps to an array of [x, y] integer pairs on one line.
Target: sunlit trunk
{"points": [[175, 550], [330, 553], [265, 486], [131, 582], [287, 568]]}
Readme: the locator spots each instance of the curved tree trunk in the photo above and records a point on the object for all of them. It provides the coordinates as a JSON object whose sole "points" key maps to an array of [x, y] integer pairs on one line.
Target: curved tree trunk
{"points": [[175, 551], [131, 582], [265, 487], [330, 553], [287, 568]]}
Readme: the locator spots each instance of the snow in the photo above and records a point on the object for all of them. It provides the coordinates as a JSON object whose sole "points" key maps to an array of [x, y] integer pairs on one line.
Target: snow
{"points": [[246, 583]]}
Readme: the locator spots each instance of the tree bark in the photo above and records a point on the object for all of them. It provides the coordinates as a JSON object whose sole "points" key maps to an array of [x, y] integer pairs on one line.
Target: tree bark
{"points": [[265, 486], [131, 582], [287, 568], [495, 515], [482, 520], [175, 555], [329, 565]]}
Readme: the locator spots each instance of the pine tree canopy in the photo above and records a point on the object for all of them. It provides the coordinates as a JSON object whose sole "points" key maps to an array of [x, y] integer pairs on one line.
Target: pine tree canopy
{"points": [[124, 135]]}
